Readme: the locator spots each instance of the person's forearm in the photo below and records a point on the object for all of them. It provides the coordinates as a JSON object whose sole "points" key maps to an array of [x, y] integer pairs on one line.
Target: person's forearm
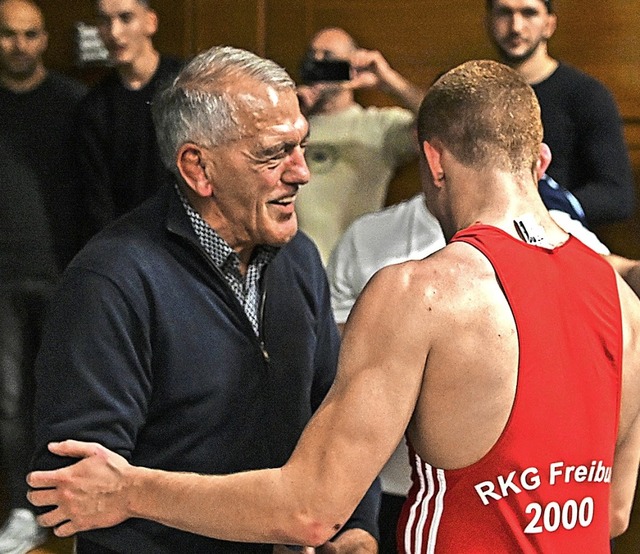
{"points": [[409, 95], [277, 506], [245, 507]]}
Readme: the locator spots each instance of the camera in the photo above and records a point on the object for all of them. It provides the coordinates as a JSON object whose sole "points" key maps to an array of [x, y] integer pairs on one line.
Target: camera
{"points": [[316, 71]]}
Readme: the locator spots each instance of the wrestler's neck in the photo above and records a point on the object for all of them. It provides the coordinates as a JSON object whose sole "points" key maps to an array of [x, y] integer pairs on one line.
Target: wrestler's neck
{"points": [[500, 203]]}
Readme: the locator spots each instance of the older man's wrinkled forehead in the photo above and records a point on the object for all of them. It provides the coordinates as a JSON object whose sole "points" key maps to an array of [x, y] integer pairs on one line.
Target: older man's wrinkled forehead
{"points": [[257, 103]]}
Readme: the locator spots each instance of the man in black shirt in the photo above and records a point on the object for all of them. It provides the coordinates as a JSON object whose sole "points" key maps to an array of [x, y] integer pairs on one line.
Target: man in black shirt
{"points": [[118, 165], [582, 125]]}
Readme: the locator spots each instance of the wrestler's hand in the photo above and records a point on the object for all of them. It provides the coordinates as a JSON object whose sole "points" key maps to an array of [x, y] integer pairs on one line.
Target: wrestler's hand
{"points": [[89, 494]]}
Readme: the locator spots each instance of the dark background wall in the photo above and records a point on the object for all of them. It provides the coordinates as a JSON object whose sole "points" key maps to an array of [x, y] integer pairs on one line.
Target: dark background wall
{"points": [[420, 39]]}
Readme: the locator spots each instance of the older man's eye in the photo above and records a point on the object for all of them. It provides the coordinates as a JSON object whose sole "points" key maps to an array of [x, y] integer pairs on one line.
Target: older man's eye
{"points": [[273, 162]]}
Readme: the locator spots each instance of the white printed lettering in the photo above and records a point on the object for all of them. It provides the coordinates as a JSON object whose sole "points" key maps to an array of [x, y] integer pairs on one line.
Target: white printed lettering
{"points": [[567, 473], [486, 489], [597, 472], [570, 515], [555, 471], [585, 514], [506, 484], [581, 474], [603, 473], [550, 517], [533, 528], [530, 483]]}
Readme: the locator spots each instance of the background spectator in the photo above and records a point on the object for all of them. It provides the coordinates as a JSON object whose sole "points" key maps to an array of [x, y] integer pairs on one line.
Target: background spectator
{"points": [[116, 154], [581, 122], [38, 235], [353, 151]]}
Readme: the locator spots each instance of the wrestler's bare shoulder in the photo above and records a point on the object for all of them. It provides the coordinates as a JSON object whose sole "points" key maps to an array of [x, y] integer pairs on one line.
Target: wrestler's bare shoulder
{"points": [[452, 271]]}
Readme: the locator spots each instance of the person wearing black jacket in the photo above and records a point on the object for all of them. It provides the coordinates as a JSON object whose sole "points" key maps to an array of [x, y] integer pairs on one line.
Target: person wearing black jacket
{"points": [[38, 236]]}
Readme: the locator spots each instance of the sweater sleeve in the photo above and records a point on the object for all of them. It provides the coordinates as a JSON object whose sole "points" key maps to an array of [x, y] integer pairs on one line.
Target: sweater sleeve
{"points": [[607, 195], [92, 376]]}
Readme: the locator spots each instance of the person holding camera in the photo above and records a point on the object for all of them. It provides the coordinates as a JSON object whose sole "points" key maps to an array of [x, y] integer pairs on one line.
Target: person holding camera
{"points": [[353, 151]]}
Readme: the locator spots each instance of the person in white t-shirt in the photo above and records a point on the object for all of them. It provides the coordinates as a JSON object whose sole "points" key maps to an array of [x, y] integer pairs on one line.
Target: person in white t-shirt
{"points": [[353, 152]]}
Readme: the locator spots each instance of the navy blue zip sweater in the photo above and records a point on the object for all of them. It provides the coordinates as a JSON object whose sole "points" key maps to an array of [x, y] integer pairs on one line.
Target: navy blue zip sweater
{"points": [[147, 351]]}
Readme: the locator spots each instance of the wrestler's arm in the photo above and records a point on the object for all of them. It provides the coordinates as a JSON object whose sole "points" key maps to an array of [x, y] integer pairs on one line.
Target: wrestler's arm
{"points": [[341, 451], [627, 454]]}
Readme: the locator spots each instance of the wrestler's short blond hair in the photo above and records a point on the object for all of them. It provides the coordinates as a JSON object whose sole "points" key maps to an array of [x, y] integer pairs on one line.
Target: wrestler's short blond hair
{"points": [[485, 114]]}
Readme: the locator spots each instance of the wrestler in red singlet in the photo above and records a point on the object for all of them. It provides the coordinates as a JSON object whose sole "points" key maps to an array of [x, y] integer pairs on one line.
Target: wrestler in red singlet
{"points": [[544, 486]]}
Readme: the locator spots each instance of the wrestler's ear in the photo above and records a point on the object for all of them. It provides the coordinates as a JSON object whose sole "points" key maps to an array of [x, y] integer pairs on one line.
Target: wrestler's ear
{"points": [[433, 155], [544, 159], [193, 167]]}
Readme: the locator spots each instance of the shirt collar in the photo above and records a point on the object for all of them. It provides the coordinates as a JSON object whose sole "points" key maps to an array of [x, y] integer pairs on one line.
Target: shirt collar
{"points": [[218, 249]]}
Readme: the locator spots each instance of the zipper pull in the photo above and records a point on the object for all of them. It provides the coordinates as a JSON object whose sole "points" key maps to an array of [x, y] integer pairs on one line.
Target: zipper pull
{"points": [[265, 354]]}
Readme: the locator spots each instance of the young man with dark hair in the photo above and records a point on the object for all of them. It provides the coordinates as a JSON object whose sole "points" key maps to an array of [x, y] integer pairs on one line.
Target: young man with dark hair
{"points": [[582, 125], [117, 161]]}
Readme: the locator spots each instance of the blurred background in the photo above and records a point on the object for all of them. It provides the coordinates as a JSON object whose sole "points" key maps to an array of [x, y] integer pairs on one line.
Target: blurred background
{"points": [[420, 39]]}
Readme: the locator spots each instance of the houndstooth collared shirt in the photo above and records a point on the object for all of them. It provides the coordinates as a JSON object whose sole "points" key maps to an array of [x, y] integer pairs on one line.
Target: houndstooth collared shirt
{"points": [[245, 288]]}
